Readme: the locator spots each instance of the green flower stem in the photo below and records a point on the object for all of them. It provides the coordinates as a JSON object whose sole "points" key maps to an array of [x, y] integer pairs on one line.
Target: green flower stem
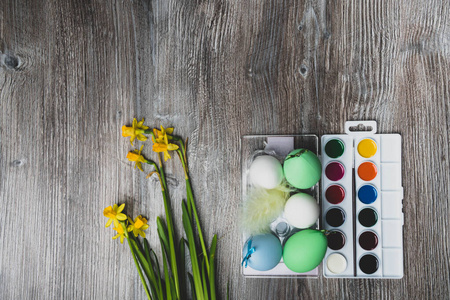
{"points": [[135, 261], [191, 203], [212, 277], [161, 173], [146, 266], [180, 140], [168, 211], [196, 272]]}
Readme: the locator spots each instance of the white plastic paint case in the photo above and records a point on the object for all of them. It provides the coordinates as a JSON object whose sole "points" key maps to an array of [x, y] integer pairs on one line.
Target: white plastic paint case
{"points": [[387, 182]]}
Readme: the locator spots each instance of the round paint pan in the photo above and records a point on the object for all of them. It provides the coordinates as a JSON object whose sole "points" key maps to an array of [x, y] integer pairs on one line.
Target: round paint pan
{"points": [[335, 194], [336, 263], [367, 171], [367, 194], [368, 240], [367, 148], [335, 171], [334, 148], [335, 217], [369, 264], [336, 240], [368, 217]]}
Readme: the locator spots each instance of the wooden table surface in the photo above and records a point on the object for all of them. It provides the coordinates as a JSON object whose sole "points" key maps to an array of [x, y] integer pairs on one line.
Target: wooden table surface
{"points": [[73, 72]]}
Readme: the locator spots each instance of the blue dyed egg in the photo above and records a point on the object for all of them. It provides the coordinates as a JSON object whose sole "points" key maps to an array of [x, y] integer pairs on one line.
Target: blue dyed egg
{"points": [[267, 252]]}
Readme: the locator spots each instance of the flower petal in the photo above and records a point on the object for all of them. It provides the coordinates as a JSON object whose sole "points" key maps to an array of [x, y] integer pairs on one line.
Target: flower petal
{"points": [[141, 137], [127, 131], [141, 125], [138, 223], [169, 130], [132, 156], [107, 210], [121, 217], [172, 147], [109, 222], [120, 208], [166, 156], [132, 140], [159, 147]]}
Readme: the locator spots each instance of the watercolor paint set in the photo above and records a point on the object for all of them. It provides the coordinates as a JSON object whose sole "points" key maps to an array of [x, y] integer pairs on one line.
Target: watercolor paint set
{"points": [[361, 203], [339, 210]]}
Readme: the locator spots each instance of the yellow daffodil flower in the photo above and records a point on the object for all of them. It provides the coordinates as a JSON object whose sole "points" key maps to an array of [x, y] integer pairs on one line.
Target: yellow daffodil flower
{"points": [[135, 131], [120, 233], [114, 214], [162, 135], [165, 148], [136, 156], [161, 142], [138, 226]]}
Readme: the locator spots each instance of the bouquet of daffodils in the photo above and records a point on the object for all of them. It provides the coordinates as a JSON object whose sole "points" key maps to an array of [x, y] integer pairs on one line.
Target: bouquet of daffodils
{"points": [[170, 282]]}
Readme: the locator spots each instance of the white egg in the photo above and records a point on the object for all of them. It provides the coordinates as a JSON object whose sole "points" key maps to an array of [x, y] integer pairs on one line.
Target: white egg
{"points": [[266, 171], [301, 210]]}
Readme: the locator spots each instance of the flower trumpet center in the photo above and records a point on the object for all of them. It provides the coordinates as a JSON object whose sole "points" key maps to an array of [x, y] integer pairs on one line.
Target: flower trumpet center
{"points": [[136, 157], [127, 131], [139, 222], [109, 212]]}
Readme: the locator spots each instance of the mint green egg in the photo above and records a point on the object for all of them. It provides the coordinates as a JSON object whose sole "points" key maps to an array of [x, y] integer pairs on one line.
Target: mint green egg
{"points": [[305, 250], [302, 168]]}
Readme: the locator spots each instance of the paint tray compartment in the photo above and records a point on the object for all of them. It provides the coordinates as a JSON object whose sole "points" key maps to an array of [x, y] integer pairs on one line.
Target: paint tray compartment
{"points": [[277, 146]]}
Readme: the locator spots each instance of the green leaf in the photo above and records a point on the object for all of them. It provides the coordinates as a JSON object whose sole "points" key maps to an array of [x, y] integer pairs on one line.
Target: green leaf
{"points": [[166, 276], [205, 284], [213, 247], [191, 281], [193, 253], [156, 280], [170, 249], [212, 279], [158, 273], [144, 283], [145, 266], [191, 202], [147, 251], [182, 266], [172, 289], [162, 233]]}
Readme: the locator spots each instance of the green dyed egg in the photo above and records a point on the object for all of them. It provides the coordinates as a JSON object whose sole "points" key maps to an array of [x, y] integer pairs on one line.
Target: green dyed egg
{"points": [[302, 168], [305, 250]]}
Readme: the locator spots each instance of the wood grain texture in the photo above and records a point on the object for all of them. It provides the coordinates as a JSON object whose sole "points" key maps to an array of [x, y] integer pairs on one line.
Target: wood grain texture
{"points": [[73, 72]]}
